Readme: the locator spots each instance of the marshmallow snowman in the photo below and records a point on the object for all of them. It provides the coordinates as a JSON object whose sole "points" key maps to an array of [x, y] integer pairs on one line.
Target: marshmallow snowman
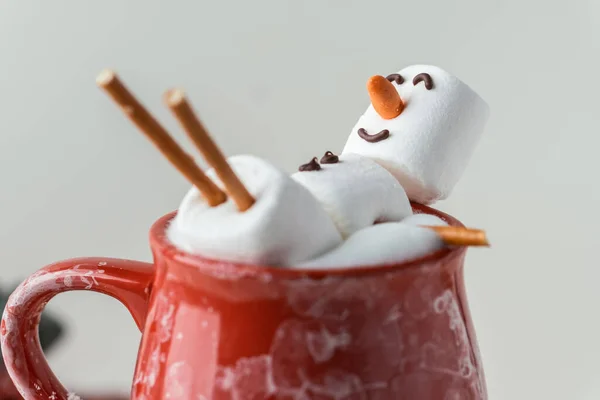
{"points": [[355, 191], [284, 226], [423, 125], [415, 137]]}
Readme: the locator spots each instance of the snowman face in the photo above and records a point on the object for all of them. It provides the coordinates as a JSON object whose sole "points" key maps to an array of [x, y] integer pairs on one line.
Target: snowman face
{"points": [[427, 139]]}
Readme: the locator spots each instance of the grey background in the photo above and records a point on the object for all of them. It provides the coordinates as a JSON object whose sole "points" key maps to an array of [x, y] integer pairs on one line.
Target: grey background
{"points": [[285, 80]]}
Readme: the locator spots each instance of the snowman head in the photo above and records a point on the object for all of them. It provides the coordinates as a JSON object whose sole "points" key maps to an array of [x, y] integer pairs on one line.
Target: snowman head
{"points": [[422, 125]]}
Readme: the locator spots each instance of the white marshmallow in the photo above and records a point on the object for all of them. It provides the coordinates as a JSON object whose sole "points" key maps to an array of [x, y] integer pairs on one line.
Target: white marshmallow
{"points": [[285, 225], [356, 192], [432, 140], [391, 242]]}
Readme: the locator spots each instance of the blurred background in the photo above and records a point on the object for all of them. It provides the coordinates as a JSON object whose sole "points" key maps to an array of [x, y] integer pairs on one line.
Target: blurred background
{"points": [[286, 80]]}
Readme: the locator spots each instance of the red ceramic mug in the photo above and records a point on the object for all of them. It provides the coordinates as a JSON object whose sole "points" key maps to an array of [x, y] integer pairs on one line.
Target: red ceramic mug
{"points": [[228, 331]]}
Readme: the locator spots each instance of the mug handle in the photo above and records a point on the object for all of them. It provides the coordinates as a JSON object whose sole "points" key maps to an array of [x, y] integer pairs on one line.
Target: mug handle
{"points": [[128, 281]]}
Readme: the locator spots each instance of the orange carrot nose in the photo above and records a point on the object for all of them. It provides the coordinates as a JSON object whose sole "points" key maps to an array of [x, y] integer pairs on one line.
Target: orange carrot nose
{"points": [[384, 97]]}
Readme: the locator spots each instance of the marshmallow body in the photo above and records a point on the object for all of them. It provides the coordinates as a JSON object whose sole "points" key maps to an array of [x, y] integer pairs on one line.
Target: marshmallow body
{"points": [[356, 192], [433, 138], [285, 225], [387, 243]]}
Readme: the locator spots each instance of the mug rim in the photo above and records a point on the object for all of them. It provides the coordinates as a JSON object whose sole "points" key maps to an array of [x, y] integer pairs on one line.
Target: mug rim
{"points": [[160, 243]]}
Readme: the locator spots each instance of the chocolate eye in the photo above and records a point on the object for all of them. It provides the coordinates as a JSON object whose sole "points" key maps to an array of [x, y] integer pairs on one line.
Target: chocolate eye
{"points": [[424, 77], [312, 165], [395, 78]]}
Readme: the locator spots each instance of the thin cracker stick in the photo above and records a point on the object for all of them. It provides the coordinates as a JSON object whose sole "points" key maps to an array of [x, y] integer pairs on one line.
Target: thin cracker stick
{"points": [[145, 122], [181, 108], [459, 236]]}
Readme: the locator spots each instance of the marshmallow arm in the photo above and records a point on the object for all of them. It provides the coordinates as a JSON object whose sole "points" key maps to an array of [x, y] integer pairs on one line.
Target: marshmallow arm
{"points": [[387, 243], [285, 225]]}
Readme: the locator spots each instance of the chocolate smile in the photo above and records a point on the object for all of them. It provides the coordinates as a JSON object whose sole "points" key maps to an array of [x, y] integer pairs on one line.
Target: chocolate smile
{"points": [[378, 137]]}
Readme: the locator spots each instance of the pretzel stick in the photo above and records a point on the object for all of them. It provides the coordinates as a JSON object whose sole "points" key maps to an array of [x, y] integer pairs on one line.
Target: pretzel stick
{"points": [[146, 123], [459, 236], [181, 108]]}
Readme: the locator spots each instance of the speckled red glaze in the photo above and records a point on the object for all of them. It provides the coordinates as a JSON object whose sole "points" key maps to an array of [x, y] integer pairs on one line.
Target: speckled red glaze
{"points": [[224, 331]]}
